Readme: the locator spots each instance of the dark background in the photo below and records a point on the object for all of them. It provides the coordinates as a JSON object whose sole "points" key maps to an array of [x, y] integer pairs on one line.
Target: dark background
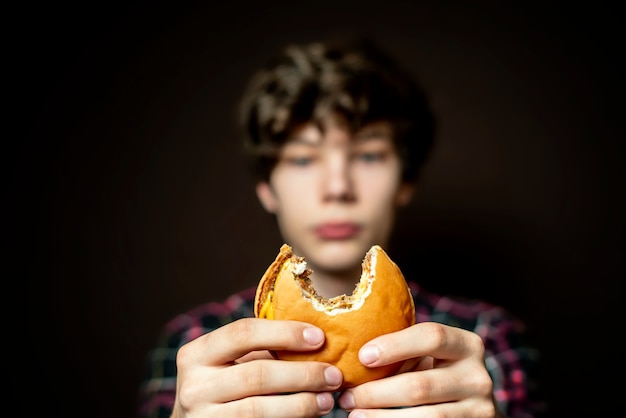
{"points": [[127, 202]]}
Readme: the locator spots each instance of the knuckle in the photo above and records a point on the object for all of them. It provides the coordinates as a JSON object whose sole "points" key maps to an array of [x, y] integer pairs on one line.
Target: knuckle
{"points": [[313, 376], [186, 395], [183, 355], [305, 408], [253, 377], [308, 376], [419, 389], [436, 332], [476, 343], [248, 408], [486, 409], [482, 383], [241, 330], [363, 398]]}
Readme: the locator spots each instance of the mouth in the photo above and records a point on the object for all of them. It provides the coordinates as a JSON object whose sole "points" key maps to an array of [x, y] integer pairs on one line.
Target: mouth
{"points": [[337, 230]]}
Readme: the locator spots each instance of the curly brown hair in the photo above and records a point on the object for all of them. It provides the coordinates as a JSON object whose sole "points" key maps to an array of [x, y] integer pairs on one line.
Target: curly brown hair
{"points": [[354, 79]]}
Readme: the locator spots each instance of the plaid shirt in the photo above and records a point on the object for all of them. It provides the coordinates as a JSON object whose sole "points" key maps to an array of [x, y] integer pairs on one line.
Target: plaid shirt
{"points": [[509, 360]]}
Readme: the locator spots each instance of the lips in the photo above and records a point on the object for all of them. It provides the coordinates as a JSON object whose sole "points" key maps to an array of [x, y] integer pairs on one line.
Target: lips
{"points": [[337, 230]]}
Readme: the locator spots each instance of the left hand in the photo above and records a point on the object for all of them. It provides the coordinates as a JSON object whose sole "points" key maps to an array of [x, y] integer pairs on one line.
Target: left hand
{"points": [[443, 375]]}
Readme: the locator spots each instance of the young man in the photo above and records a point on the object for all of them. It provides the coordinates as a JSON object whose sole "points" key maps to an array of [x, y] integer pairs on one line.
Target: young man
{"points": [[337, 136]]}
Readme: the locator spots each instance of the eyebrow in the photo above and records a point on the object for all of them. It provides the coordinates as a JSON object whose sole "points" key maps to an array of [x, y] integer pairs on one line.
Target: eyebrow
{"points": [[301, 140], [373, 134], [369, 134]]}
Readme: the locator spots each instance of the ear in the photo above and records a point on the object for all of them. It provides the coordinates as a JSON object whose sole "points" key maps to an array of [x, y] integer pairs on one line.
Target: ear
{"points": [[266, 196], [404, 194]]}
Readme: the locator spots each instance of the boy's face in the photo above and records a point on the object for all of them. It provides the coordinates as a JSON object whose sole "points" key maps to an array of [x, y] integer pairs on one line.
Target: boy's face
{"points": [[335, 193]]}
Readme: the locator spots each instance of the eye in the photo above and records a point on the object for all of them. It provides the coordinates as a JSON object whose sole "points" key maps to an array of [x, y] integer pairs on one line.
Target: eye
{"points": [[300, 161], [370, 157]]}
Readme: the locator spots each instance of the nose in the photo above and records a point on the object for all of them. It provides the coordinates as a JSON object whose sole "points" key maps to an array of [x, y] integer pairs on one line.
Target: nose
{"points": [[337, 180]]}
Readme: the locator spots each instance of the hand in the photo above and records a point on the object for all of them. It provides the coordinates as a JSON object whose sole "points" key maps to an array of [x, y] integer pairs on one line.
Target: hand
{"points": [[230, 373], [444, 375]]}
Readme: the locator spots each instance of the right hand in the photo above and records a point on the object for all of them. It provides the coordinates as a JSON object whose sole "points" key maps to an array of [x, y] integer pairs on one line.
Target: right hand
{"points": [[230, 372]]}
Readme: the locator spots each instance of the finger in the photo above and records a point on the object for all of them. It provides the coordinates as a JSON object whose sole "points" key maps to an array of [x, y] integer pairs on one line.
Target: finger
{"points": [[460, 381], [464, 409], [265, 377], [424, 339], [417, 363], [409, 389], [297, 405], [255, 355], [238, 338]]}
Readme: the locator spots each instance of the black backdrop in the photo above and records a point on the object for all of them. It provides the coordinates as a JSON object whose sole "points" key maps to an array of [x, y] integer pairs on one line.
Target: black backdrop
{"points": [[126, 201]]}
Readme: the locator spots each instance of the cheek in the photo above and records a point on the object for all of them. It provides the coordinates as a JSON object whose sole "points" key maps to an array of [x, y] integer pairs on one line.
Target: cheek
{"points": [[294, 209], [379, 189], [293, 194]]}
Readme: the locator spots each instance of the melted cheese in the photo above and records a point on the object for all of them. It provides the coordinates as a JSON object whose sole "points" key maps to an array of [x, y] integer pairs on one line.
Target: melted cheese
{"points": [[267, 310]]}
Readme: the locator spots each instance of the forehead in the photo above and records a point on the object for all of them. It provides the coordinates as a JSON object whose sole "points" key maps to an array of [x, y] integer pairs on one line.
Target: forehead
{"points": [[335, 130]]}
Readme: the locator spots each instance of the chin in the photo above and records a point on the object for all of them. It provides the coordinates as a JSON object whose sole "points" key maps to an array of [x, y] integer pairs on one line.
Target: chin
{"points": [[339, 255]]}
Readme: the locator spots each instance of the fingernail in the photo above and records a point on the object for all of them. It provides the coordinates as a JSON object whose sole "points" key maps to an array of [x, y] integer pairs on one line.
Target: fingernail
{"points": [[369, 354], [324, 401], [357, 414], [313, 336], [333, 376], [346, 401]]}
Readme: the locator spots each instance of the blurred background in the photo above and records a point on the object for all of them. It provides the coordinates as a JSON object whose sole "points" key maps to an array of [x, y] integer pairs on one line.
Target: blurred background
{"points": [[127, 202]]}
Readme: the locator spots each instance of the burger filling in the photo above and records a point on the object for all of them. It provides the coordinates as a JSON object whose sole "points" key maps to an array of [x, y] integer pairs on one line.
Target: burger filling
{"points": [[342, 303]]}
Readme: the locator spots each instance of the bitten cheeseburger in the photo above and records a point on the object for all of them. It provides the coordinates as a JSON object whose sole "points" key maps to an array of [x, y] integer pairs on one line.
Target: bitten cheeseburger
{"points": [[380, 303]]}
